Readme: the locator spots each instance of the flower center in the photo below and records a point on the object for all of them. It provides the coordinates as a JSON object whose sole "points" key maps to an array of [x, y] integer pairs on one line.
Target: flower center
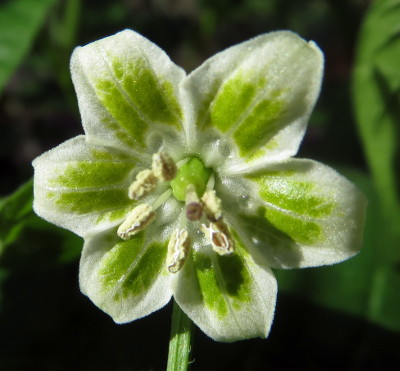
{"points": [[192, 183], [193, 172]]}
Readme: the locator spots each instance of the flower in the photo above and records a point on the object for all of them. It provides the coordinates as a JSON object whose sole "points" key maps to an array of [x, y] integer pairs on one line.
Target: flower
{"points": [[185, 186]]}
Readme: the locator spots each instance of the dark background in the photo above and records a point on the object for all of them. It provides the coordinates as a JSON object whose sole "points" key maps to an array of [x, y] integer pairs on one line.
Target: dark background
{"points": [[45, 322]]}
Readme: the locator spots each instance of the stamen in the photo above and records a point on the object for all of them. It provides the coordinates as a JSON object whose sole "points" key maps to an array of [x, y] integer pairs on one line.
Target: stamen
{"points": [[211, 182], [178, 249], [137, 220], [212, 206], [219, 237], [160, 200], [163, 166], [145, 183], [192, 204], [182, 162]]}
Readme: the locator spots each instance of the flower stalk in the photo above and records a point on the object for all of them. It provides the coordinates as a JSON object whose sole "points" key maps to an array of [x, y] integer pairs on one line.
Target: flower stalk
{"points": [[180, 343]]}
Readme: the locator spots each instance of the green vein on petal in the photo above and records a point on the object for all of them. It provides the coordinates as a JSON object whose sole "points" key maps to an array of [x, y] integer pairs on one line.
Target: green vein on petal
{"points": [[299, 197], [223, 280], [294, 207], [90, 174], [153, 96], [119, 107], [302, 231], [131, 267], [232, 100], [260, 126], [90, 201], [242, 106]]}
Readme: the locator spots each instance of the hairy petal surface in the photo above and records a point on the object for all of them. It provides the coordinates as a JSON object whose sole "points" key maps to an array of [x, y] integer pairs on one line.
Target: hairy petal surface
{"points": [[309, 215], [82, 187], [228, 297], [127, 89], [258, 95], [126, 279]]}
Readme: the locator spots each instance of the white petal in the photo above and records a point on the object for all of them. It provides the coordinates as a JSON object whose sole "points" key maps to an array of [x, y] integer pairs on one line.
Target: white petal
{"points": [[81, 187], [127, 90], [229, 297], [256, 97], [308, 215], [126, 279]]}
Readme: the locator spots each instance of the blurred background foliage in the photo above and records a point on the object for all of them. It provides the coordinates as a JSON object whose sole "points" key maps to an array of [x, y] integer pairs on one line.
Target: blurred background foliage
{"points": [[345, 316]]}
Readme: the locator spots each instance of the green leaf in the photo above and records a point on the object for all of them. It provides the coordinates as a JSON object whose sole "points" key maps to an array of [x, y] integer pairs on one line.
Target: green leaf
{"points": [[14, 211], [19, 22], [366, 285], [3, 276], [376, 90], [27, 239]]}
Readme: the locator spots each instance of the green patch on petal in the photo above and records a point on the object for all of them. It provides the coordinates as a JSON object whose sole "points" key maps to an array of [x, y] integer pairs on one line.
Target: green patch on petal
{"points": [[232, 101], [259, 126], [203, 113], [297, 205], [300, 230], [236, 279], [117, 261], [298, 197], [193, 172], [242, 105], [279, 230], [119, 131], [145, 272], [113, 215], [121, 109], [83, 202], [90, 174], [99, 154], [153, 96], [131, 267], [262, 229], [209, 287], [259, 153], [224, 281], [265, 175]]}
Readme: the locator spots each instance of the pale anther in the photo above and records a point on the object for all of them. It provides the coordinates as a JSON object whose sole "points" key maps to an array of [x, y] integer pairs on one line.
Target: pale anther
{"points": [[212, 206], [144, 184], [137, 220], [163, 167], [219, 237], [178, 249], [192, 204]]}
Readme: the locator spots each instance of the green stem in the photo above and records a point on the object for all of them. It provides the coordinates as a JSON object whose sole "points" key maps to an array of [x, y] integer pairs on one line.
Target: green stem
{"points": [[180, 342]]}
